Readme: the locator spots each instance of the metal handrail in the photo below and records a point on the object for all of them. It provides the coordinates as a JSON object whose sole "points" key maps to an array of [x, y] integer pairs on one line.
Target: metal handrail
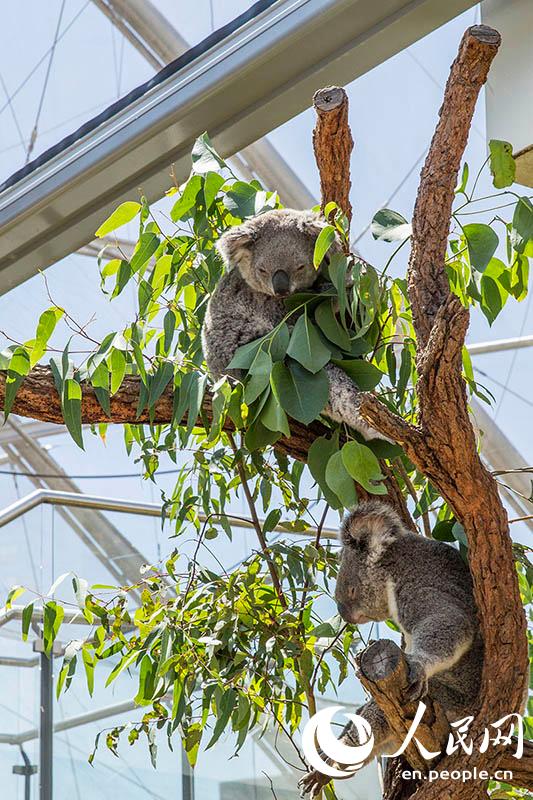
{"points": [[55, 497]]}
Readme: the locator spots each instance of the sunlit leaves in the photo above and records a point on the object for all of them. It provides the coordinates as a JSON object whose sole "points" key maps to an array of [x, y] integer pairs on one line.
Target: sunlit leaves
{"points": [[325, 239], [126, 212], [204, 156], [502, 163], [187, 198], [363, 466], [339, 481]]}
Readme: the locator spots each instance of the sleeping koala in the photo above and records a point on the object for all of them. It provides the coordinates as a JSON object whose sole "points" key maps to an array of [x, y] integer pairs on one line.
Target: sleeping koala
{"points": [[424, 586], [268, 258]]}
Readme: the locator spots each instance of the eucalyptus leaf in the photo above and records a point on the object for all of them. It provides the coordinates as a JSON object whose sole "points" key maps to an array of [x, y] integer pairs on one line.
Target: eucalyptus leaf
{"points": [[363, 466], [502, 163], [126, 212], [300, 393], [306, 346], [389, 226], [482, 242]]}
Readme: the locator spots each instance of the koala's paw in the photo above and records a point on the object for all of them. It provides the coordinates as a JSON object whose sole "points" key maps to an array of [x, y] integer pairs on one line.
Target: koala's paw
{"points": [[417, 685], [312, 783]]}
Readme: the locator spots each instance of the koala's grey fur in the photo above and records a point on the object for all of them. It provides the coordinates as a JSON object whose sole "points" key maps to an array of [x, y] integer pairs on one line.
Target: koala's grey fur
{"points": [[424, 586], [267, 258]]}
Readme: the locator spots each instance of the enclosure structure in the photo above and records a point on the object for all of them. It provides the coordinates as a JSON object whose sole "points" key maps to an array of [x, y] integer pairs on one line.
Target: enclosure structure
{"points": [[248, 78]]}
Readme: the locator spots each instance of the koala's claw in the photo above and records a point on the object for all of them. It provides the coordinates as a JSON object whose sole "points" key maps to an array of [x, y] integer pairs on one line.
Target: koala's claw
{"points": [[418, 682], [312, 783]]}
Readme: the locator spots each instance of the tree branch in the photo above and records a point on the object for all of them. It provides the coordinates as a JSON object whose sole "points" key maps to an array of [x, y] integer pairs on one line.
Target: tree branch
{"points": [[333, 144]]}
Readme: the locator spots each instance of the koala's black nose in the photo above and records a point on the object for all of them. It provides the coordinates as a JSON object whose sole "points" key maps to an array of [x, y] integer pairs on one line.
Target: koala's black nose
{"points": [[280, 282]]}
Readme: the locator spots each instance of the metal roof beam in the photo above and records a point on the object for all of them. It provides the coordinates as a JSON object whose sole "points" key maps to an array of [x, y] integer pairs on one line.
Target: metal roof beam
{"points": [[253, 80]]}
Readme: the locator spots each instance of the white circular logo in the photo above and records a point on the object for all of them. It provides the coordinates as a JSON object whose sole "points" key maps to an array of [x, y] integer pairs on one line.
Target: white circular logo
{"points": [[352, 756]]}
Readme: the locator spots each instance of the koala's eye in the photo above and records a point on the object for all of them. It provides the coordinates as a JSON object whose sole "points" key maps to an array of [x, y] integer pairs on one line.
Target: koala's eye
{"points": [[351, 592], [301, 268], [262, 271]]}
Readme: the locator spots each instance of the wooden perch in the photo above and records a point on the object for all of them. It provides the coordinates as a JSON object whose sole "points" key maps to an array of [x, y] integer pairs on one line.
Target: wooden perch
{"points": [[382, 669], [333, 144]]}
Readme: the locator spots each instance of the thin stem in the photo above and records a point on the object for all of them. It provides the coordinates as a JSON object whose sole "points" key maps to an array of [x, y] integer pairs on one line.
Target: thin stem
{"points": [[412, 491], [256, 523]]}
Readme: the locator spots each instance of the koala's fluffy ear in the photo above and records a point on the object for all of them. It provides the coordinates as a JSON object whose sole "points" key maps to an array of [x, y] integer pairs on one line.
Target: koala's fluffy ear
{"points": [[236, 243], [312, 223], [372, 521]]}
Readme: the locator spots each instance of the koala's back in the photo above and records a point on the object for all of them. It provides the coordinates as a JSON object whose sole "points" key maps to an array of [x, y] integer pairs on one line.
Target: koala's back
{"points": [[434, 581], [235, 316]]}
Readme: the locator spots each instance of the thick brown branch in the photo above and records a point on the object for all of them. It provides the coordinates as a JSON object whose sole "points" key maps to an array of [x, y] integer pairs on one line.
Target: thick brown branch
{"points": [[428, 284], [333, 144]]}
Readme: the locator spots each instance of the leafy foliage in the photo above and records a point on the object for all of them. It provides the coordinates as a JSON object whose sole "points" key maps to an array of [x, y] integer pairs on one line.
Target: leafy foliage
{"points": [[249, 648]]}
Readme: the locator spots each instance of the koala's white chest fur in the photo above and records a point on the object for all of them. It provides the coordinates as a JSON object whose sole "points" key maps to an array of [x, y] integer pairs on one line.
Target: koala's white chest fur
{"points": [[394, 614]]}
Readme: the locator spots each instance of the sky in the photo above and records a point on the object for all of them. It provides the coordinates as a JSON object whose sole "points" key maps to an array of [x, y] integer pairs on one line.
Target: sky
{"points": [[393, 112]]}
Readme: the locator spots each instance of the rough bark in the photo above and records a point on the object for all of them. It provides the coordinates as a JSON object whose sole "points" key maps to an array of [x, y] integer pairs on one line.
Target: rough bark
{"points": [[333, 144], [443, 444], [383, 671]]}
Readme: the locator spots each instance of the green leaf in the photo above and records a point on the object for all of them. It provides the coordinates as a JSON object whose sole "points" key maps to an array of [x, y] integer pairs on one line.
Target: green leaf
{"points": [[45, 327], [306, 346], [257, 436], [502, 163], [187, 199], [491, 299], [339, 480], [213, 183], [169, 326], [461, 188], [389, 226], [14, 594], [245, 354], [363, 466], [443, 530], [117, 368], [19, 366], [482, 242], [71, 406], [317, 459], [258, 377], [366, 376], [325, 239], [27, 615], [159, 382], [147, 675], [146, 247], [204, 156], [300, 393], [224, 711], [522, 225], [273, 416], [124, 274], [330, 326], [123, 214], [53, 617]]}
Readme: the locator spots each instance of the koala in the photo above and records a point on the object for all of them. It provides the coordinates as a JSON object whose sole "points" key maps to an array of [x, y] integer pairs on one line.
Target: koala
{"points": [[388, 572], [268, 258]]}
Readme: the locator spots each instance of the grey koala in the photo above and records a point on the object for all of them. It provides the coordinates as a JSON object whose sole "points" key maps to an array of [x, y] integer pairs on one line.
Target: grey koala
{"points": [[268, 258], [425, 587]]}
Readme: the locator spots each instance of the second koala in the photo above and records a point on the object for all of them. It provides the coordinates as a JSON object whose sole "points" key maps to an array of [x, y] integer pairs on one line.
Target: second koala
{"points": [[268, 258], [425, 587]]}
